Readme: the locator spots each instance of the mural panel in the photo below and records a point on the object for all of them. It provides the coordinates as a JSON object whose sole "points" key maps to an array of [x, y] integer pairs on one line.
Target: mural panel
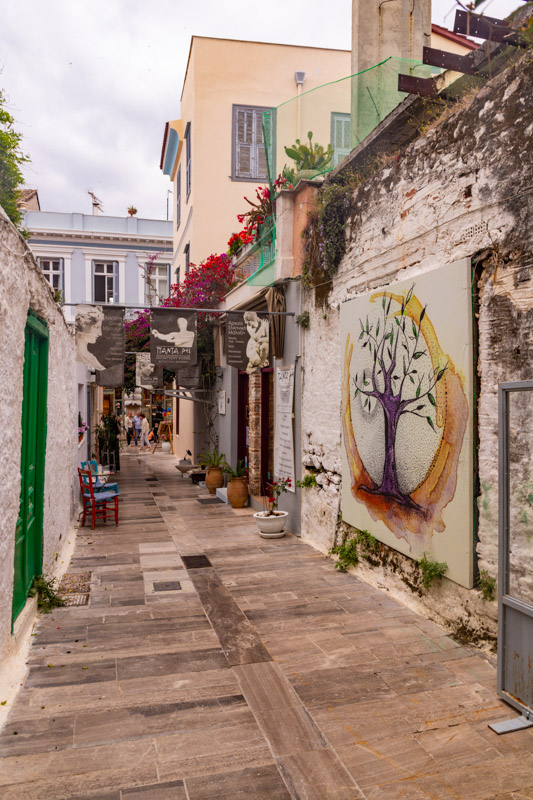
{"points": [[407, 417]]}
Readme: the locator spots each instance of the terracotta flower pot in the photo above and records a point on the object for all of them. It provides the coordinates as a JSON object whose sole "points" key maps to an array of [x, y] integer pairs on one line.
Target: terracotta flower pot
{"points": [[214, 479], [238, 492]]}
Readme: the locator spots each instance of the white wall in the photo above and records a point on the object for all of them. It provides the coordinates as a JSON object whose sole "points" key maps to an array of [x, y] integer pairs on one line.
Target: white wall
{"points": [[22, 286]]}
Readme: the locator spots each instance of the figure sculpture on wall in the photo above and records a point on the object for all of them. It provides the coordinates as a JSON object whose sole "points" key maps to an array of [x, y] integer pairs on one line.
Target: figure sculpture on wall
{"points": [[258, 343]]}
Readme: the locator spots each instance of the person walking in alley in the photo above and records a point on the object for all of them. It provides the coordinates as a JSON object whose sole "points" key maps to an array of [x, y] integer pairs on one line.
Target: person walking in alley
{"points": [[137, 422], [145, 428], [128, 426]]}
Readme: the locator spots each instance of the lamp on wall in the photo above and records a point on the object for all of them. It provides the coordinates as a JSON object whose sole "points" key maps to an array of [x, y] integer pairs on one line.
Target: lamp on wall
{"points": [[299, 78]]}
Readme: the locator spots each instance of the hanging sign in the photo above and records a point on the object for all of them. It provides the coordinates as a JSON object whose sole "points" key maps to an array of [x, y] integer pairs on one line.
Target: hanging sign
{"points": [[147, 374], [99, 336], [283, 432], [188, 377], [247, 341], [111, 377], [172, 337]]}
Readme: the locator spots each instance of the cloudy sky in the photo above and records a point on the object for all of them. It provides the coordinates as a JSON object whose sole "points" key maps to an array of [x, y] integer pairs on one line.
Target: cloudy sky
{"points": [[91, 84]]}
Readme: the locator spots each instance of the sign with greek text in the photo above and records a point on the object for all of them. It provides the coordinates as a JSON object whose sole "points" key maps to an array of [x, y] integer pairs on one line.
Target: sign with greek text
{"points": [[172, 337], [147, 374], [99, 336], [283, 430], [247, 341]]}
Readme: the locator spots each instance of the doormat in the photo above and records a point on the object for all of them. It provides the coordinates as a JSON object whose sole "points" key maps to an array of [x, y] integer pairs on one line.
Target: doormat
{"points": [[196, 562], [208, 501]]}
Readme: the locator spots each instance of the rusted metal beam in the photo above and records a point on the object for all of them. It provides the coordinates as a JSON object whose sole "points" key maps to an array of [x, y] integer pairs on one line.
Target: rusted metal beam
{"points": [[440, 58], [424, 87], [481, 26]]}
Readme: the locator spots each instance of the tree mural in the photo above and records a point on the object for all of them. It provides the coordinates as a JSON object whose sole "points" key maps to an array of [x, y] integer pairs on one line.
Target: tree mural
{"points": [[399, 376]]}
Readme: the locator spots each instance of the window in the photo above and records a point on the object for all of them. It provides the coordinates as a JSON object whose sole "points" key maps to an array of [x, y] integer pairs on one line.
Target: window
{"points": [[53, 271], [177, 275], [105, 281], [248, 162], [178, 198], [158, 288], [340, 136], [187, 252], [188, 159]]}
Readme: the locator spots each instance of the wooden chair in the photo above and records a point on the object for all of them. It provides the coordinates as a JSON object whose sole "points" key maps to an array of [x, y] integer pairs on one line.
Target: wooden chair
{"points": [[98, 485], [100, 505]]}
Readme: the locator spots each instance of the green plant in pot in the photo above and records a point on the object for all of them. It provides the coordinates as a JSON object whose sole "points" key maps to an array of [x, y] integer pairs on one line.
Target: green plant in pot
{"points": [[214, 462], [311, 159], [237, 484]]}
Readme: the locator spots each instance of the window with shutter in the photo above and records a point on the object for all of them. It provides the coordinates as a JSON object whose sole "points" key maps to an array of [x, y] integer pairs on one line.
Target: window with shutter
{"points": [[178, 198], [188, 159], [248, 149], [340, 136]]}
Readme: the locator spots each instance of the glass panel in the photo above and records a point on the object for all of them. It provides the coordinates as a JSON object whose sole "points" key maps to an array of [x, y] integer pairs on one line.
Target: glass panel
{"points": [[520, 581], [55, 266], [99, 289], [98, 267]]}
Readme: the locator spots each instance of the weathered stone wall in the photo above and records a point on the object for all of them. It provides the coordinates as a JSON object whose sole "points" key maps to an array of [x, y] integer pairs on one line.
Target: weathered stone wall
{"points": [[463, 189], [22, 286]]}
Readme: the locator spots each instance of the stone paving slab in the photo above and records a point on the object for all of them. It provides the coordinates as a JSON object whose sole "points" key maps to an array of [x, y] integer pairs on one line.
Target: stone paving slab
{"points": [[266, 675]]}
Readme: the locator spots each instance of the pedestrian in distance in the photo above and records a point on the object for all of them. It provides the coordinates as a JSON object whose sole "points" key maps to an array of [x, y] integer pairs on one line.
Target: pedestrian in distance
{"points": [[128, 426], [145, 429], [137, 424]]}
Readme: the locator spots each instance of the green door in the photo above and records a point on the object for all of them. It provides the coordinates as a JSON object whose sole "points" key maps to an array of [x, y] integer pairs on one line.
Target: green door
{"points": [[29, 530]]}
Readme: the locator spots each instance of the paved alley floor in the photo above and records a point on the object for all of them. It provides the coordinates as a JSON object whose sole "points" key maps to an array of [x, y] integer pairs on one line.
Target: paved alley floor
{"points": [[253, 670]]}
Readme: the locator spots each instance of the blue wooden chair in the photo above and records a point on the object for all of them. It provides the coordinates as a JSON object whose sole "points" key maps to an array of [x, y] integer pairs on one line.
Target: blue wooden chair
{"points": [[98, 485], [99, 505]]}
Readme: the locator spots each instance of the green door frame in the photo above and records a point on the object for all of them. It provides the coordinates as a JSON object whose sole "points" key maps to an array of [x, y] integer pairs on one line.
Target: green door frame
{"points": [[29, 530]]}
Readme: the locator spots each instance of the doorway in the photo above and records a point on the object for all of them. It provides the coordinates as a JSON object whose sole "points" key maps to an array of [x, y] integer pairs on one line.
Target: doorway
{"points": [[29, 527], [243, 418], [515, 588]]}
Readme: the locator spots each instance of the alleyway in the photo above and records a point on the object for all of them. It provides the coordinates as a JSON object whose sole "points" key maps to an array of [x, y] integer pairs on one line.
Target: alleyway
{"points": [[262, 673]]}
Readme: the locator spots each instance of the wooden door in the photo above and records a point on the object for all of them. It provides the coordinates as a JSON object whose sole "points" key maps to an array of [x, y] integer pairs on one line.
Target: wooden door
{"points": [[29, 527], [243, 418]]}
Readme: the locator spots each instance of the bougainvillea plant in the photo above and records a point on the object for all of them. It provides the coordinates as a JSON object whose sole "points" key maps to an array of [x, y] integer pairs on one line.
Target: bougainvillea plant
{"points": [[204, 287]]}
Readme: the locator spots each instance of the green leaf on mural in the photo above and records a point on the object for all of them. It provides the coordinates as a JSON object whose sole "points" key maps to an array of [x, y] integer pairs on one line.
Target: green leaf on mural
{"points": [[361, 334], [356, 393], [418, 354], [430, 422], [431, 399], [423, 314], [418, 390], [414, 329]]}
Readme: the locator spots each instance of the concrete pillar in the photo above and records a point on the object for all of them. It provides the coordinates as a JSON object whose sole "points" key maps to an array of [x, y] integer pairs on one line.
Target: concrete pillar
{"points": [[383, 28]]}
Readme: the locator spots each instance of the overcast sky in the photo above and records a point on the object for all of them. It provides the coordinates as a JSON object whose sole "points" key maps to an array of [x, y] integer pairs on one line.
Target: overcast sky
{"points": [[91, 84]]}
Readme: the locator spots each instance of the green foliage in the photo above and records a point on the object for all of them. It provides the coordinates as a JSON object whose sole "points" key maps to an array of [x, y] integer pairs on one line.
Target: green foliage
{"points": [[347, 553], [47, 599], [367, 542], [311, 156], [303, 319], [431, 570], [212, 459], [308, 482], [240, 470], [486, 585], [11, 161]]}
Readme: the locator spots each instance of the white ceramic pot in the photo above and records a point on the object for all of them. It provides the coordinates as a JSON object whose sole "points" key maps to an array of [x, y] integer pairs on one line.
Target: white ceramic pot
{"points": [[271, 526], [165, 447]]}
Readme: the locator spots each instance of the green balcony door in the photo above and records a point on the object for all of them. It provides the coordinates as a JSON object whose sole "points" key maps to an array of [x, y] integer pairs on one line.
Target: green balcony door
{"points": [[29, 529]]}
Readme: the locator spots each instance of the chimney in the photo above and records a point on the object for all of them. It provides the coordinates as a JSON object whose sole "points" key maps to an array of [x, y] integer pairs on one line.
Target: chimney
{"points": [[383, 29]]}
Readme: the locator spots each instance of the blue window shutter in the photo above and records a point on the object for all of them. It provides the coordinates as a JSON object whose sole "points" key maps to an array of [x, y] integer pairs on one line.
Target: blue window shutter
{"points": [[115, 281], [178, 198]]}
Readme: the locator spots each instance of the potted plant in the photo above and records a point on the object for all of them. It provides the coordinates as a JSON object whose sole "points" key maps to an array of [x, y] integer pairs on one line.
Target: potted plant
{"points": [[237, 484], [213, 462], [271, 521], [82, 429], [132, 211], [311, 159]]}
